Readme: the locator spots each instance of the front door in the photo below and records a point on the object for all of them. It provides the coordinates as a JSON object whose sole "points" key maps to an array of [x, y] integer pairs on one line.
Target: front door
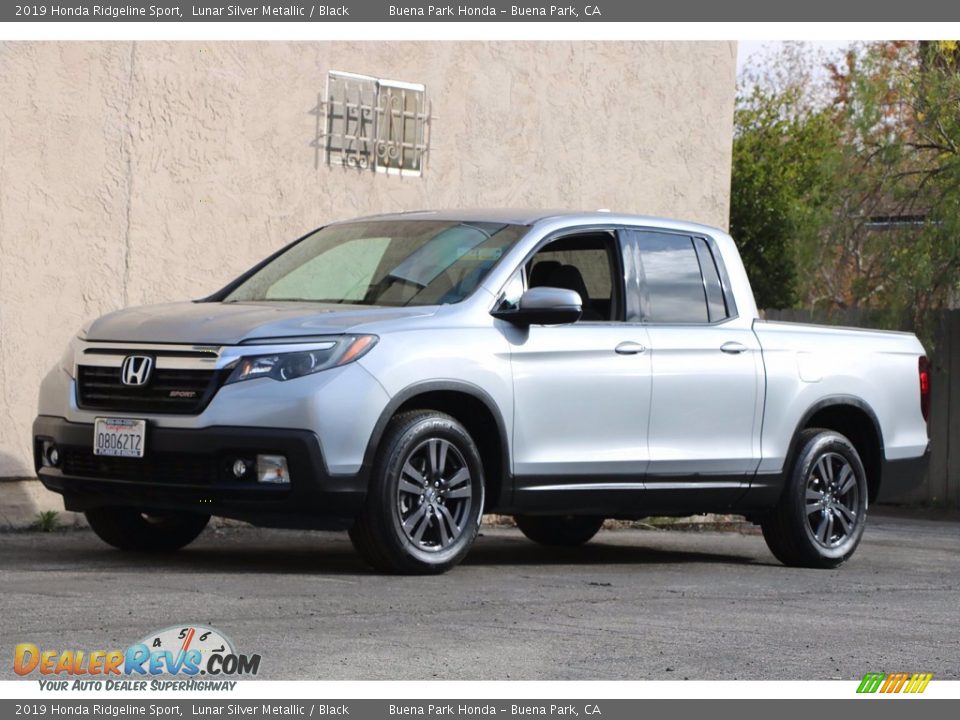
{"points": [[582, 391]]}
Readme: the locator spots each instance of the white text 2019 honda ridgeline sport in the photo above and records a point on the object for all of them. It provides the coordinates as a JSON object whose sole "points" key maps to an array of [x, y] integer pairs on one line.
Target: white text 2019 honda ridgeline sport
{"points": [[399, 375]]}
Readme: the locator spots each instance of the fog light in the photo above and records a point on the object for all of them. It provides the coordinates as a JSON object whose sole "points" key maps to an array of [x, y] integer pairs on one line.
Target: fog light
{"points": [[239, 468], [51, 454], [272, 469]]}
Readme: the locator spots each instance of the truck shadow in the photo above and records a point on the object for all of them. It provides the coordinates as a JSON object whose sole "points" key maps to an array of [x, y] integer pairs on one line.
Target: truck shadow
{"points": [[329, 554], [597, 552]]}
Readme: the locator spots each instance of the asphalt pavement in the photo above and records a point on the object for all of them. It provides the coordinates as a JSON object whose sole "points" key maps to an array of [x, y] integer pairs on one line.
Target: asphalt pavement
{"points": [[633, 604]]}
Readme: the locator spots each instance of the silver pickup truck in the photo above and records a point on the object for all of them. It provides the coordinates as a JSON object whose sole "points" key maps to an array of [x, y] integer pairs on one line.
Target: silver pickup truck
{"points": [[397, 376]]}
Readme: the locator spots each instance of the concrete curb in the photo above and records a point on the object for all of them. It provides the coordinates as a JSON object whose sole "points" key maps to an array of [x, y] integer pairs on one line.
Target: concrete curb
{"points": [[22, 499]]}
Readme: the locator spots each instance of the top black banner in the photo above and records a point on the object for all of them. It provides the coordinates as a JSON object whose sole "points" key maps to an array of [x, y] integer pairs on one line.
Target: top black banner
{"points": [[484, 11]]}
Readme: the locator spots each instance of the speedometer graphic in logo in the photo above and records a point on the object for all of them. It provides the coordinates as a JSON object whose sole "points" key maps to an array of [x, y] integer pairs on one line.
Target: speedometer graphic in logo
{"points": [[181, 639]]}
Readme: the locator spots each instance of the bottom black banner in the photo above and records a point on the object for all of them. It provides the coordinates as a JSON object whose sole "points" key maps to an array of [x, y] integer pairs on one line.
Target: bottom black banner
{"points": [[875, 708]]}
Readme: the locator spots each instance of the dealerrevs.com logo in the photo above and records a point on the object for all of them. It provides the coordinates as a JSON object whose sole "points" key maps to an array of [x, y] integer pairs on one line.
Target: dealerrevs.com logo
{"points": [[184, 651]]}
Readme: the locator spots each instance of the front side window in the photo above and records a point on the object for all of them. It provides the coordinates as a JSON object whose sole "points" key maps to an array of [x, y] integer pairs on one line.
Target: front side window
{"points": [[393, 263], [586, 264]]}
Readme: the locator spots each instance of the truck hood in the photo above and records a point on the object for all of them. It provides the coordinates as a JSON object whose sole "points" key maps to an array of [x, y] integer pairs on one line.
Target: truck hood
{"points": [[212, 323]]}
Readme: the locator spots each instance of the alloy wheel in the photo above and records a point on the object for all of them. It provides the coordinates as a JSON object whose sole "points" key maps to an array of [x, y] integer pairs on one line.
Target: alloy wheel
{"points": [[434, 494], [832, 500]]}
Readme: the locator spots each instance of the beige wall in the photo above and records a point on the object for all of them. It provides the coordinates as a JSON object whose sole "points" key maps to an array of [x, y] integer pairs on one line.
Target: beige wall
{"points": [[138, 173]]}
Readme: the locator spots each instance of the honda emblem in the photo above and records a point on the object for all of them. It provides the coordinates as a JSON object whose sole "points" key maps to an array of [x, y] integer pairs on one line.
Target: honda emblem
{"points": [[136, 370]]}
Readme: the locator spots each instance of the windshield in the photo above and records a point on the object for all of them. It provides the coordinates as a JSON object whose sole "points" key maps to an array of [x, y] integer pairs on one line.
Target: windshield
{"points": [[401, 262]]}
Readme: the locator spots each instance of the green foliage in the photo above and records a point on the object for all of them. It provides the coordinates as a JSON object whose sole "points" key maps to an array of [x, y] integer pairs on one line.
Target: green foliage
{"points": [[782, 168], [848, 196], [47, 521]]}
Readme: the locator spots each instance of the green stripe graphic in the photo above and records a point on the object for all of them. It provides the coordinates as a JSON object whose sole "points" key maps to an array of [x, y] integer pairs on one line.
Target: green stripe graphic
{"points": [[871, 682]]}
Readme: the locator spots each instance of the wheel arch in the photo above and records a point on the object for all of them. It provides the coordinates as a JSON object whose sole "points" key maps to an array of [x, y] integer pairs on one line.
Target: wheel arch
{"points": [[854, 419], [470, 405]]}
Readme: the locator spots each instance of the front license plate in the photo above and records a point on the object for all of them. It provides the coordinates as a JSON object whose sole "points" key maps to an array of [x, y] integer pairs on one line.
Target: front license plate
{"points": [[119, 437]]}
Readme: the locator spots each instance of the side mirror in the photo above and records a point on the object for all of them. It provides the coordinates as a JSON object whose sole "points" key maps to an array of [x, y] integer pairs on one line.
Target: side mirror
{"points": [[544, 306]]}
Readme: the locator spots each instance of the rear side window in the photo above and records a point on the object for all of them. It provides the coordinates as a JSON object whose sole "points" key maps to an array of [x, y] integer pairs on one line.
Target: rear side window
{"points": [[716, 303], [672, 283]]}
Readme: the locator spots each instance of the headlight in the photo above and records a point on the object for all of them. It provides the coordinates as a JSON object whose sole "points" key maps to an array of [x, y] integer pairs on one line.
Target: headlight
{"points": [[288, 366]]}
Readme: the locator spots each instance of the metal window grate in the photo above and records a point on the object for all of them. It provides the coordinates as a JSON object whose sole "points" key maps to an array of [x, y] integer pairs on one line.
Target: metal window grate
{"points": [[374, 124]]}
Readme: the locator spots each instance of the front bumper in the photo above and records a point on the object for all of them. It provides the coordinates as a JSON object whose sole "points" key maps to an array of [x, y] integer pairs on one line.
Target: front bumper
{"points": [[189, 470]]}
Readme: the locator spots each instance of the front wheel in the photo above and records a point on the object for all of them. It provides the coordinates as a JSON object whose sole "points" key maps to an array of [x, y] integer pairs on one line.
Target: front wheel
{"points": [[131, 529], [820, 517], [559, 530], [425, 499]]}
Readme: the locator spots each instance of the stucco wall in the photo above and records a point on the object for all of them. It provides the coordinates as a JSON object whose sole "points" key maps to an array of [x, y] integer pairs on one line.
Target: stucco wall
{"points": [[142, 172]]}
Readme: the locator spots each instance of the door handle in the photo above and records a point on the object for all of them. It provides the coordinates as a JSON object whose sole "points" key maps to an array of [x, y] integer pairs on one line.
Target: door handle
{"points": [[733, 348], [630, 348]]}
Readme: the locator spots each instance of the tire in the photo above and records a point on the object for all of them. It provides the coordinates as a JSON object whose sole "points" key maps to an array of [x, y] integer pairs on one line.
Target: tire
{"points": [[559, 530], [130, 529], [425, 501], [820, 517]]}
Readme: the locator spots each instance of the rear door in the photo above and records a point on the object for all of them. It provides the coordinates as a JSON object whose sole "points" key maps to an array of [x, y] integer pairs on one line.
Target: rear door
{"points": [[706, 394]]}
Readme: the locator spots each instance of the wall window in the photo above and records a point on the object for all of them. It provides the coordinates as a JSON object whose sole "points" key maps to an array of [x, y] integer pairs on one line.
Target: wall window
{"points": [[376, 124]]}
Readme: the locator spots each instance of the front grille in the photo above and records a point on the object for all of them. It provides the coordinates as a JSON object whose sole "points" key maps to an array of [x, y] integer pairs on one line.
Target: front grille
{"points": [[160, 467], [184, 392]]}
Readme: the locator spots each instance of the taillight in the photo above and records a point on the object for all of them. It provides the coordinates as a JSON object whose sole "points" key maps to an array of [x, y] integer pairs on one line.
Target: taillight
{"points": [[924, 370]]}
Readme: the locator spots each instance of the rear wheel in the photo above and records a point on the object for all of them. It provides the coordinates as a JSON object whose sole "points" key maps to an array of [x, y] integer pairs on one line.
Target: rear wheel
{"points": [[425, 500], [131, 529], [821, 514], [559, 530]]}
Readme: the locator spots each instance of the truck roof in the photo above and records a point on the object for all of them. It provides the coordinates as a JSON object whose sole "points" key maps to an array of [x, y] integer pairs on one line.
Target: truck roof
{"points": [[532, 216]]}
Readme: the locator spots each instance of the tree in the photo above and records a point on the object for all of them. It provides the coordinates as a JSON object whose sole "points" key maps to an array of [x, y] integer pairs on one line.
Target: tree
{"points": [[784, 153], [846, 192], [902, 103]]}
